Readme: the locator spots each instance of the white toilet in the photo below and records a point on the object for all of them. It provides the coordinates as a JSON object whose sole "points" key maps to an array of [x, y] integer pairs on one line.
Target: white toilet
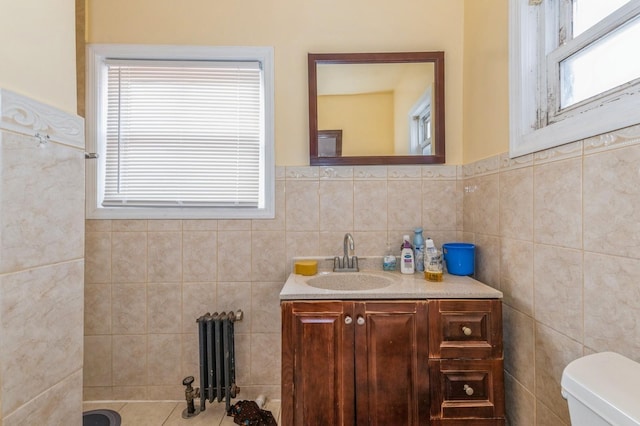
{"points": [[603, 389]]}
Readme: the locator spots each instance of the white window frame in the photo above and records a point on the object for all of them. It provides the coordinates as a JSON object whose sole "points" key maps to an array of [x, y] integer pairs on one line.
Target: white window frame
{"points": [[97, 54], [419, 113], [534, 26]]}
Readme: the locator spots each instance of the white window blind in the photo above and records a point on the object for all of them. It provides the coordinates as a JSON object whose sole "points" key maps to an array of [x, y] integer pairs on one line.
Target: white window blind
{"points": [[184, 134]]}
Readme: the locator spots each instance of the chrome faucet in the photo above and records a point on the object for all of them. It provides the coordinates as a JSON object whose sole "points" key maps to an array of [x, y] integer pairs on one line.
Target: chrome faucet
{"points": [[347, 263]]}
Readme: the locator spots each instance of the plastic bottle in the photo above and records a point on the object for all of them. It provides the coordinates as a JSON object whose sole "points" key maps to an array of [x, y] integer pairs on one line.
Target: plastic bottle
{"points": [[418, 249], [432, 262], [430, 246], [407, 261], [389, 262]]}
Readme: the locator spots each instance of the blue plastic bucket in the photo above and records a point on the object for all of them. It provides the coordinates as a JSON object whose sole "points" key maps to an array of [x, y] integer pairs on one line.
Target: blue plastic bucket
{"points": [[459, 257]]}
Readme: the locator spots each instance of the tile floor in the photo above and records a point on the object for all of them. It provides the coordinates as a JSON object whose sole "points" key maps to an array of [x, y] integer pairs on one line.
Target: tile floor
{"points": [[163, 413]]}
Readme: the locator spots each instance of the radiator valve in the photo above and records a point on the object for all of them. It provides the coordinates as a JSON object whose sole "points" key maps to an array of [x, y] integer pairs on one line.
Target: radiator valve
{"points": [[190, 394]]}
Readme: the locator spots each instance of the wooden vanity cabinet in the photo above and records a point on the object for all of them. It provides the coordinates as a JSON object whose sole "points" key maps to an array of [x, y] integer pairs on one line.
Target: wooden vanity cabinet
{"points": [[354, 363], [436, 362]]}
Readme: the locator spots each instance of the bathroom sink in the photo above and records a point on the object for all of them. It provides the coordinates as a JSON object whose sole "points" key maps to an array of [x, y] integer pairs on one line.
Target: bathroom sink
{"points": [[350, 281]]}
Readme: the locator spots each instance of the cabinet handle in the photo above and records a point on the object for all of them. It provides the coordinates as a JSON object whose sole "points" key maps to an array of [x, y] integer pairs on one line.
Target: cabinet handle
{"points": [[360, 320], [348, 320], [468, 390], [466, 331]]}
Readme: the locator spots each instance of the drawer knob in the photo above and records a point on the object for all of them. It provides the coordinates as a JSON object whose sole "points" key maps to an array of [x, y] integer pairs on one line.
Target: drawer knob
{"points": [[468, 390], [360, 320], [466, 330], [348, 320]]}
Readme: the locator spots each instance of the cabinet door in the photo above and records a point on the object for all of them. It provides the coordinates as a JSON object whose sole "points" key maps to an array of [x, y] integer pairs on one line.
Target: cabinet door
{"points": [[391, 363], [317, 364]]}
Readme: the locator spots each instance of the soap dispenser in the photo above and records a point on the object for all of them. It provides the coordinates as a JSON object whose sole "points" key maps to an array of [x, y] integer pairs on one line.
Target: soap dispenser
{"points": [[407, 261]]}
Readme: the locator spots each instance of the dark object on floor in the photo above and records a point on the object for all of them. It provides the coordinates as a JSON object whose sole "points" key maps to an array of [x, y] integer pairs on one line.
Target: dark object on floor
{"points": [[100, 418], [248, 413]]}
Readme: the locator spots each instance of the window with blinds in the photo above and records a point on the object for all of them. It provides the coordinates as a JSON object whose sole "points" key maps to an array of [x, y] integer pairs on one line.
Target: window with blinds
{"points": [[181, 135]]}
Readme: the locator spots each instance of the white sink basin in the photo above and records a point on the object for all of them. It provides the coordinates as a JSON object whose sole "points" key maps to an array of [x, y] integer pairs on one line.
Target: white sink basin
{"points": [[350, 281]]}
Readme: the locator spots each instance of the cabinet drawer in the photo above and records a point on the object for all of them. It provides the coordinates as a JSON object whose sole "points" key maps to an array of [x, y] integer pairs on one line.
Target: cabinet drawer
{"points": [[465, 329], [462, 388]]}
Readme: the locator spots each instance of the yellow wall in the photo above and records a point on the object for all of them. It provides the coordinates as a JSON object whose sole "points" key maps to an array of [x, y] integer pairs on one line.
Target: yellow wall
{"points": [[366, 121], [486, 80], [37, 52], [295, 28], [39, 61]]}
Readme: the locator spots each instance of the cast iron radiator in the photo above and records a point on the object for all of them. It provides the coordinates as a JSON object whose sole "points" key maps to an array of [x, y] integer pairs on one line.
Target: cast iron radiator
{"points": [[217, 357]]}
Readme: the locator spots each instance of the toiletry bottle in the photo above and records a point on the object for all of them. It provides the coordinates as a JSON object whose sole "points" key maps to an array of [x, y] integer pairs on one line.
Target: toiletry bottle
{"points": [[432, 262], [418, 249], [430, 246], [389, 262], [407, 263]]}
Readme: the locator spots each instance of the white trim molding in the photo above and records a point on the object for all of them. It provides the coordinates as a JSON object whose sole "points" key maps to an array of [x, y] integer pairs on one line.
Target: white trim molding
{"points": [[23, 115]]}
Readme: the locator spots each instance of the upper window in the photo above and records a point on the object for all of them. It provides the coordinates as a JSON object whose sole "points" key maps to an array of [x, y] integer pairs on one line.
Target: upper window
{"points": [[573, 71], [420, 125], [180, 132]]}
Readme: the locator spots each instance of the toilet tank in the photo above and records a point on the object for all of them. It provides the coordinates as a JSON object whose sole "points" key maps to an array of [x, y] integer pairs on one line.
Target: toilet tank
{"points": [[603, 389]]}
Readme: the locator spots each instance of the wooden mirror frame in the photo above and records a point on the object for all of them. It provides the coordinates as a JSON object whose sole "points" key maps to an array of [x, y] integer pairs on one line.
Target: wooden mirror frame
{"points": [[378, 58]]}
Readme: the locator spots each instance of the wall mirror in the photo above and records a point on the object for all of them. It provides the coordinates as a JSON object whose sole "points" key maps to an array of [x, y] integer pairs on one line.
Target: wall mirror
{"points": [[388, 108]]}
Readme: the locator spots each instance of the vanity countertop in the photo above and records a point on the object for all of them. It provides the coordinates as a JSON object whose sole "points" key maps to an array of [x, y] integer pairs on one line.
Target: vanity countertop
{"points": [[401, 287]]}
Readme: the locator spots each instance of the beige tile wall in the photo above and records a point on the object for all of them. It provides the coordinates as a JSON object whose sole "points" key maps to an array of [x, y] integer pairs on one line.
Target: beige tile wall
{"points": [[147, 281], [555, 231], [41, 263], [558, 233]]}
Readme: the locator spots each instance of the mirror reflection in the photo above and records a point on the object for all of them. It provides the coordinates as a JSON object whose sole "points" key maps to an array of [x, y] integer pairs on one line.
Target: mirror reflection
{"points": [[381, 109], [385, 108]]}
